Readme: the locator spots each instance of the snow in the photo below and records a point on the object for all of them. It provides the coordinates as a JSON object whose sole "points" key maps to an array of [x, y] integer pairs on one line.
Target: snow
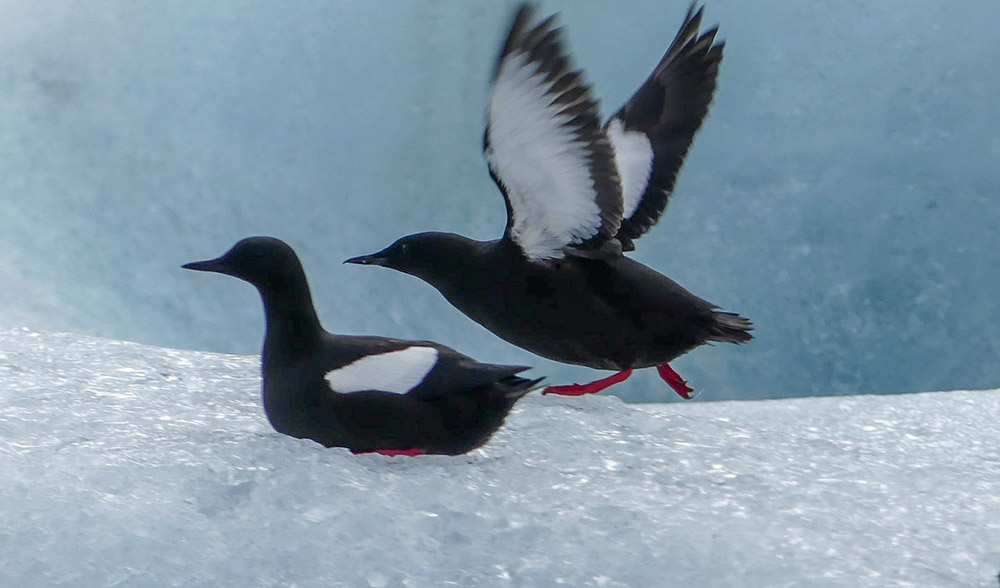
{"points": [[841, 194], [127, 465]]}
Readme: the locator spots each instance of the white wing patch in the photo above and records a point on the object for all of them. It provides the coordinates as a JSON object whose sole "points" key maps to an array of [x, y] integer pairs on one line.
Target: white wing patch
{"points": [[395, 371], [540, 161], [634, 156]]}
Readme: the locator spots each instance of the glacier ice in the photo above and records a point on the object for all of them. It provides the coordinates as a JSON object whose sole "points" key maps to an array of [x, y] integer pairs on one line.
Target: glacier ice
{"points": [[127, 465], [842, 192]]}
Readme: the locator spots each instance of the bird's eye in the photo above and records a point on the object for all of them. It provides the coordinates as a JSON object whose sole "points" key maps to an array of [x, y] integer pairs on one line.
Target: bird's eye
{"points": [[404, 248]]}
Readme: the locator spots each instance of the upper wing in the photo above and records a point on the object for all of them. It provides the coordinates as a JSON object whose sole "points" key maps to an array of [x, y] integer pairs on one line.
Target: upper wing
{"points": [[652, 132], [420, 369], [546, 149], [392, 371]]}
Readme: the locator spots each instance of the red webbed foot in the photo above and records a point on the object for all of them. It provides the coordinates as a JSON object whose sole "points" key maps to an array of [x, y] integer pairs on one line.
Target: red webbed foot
{"points": [[591, 388], [675, 381]]}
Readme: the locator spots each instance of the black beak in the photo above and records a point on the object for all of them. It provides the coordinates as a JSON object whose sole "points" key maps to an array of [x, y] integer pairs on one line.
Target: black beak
{"points": [[212, 265], [373, 259]]}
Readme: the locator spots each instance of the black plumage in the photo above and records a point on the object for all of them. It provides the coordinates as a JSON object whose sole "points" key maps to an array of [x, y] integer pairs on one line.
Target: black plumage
{"points": [[669, 109], [440, 401], [577, 195]]}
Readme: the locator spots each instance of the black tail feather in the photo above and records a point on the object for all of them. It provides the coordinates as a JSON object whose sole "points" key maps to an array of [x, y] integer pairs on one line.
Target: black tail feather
{"points": [[730, 327], [516, 387]]}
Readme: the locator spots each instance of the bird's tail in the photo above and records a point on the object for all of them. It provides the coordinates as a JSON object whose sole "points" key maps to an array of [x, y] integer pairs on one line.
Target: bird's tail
{"points": [[730, 327], [515, 387]]}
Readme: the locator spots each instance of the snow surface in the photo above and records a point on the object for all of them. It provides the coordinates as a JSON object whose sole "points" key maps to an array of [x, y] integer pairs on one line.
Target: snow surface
{"points": [[126, 465], [842, 192]]}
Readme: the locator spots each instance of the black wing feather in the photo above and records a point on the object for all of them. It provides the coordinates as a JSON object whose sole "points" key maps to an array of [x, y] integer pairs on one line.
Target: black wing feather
{"points": [[454, 372], [542, 46], [669, 109]]}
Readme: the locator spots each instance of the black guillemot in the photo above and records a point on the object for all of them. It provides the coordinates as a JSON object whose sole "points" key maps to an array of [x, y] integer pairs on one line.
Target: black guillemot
{"points": [[369, 394], [578, 194]]}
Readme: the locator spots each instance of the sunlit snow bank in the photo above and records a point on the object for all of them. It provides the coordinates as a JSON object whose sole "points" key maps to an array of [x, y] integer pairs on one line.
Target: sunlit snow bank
{"points": [[126, 465]]}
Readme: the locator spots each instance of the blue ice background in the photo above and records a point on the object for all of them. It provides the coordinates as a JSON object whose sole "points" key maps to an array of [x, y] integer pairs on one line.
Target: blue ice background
{"points": [[843, 192]]}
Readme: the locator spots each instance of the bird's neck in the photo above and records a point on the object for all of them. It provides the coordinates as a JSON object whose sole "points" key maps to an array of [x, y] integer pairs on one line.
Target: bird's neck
{"points": [[467, 265], [292, 324]]}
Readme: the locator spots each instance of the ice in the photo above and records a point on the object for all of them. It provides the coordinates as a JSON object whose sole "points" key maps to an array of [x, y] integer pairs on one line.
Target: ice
{"points": [[127, 465], [842, 193]]}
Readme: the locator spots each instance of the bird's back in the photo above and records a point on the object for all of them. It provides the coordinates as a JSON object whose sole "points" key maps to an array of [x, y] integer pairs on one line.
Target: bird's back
{"points": [[604, 313]]}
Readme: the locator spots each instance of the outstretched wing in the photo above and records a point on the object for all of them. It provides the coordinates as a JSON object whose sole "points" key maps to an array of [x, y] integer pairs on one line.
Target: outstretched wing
{"points": [[546, 149], [652, 132]]}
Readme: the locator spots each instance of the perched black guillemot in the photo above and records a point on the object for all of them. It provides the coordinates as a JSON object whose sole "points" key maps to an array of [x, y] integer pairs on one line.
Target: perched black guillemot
{"points": [[577, 195], [369, 394]]}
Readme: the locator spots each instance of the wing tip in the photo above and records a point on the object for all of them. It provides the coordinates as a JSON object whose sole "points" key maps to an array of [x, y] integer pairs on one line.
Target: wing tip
{"points": [[518, 23], [522, 33]]}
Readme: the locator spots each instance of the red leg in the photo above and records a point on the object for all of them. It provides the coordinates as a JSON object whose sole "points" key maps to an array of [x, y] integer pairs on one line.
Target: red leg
{"points": [[674, 380], [411, 452], [591, 388]]}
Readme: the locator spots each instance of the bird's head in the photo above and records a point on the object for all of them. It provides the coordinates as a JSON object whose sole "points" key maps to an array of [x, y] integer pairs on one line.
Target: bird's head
{"points": [[428, 256], [263, 261]]}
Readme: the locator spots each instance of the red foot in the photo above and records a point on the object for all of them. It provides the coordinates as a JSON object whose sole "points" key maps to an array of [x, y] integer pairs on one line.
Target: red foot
{"points": [[411, 452], [591, 388], [675, 381]]}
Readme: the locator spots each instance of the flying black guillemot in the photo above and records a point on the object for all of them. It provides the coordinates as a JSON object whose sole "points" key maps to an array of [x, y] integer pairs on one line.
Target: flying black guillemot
{"points": [[369, 394], [577, 195]]}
